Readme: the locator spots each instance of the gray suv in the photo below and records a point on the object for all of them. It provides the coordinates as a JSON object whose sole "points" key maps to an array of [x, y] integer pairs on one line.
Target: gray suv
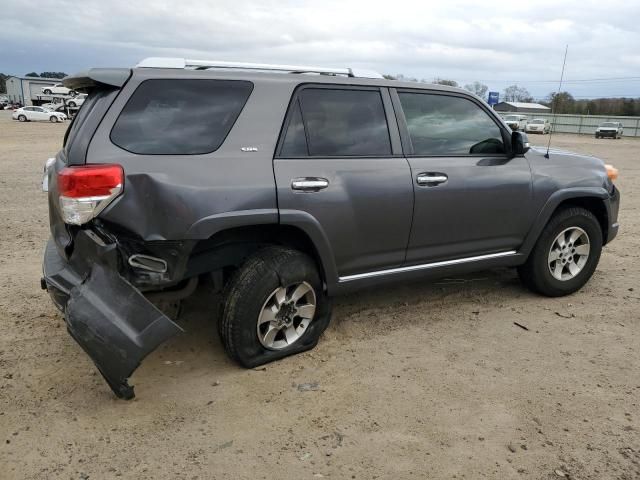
{"points": [[283, 186]]}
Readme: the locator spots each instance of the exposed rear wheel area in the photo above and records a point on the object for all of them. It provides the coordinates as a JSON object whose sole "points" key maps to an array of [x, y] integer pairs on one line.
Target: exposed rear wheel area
{"points": [[566, 254], [274, 306]]}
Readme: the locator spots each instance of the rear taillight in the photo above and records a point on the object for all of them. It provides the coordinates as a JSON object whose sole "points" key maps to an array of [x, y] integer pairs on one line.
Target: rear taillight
{"points": [[87, 190]]}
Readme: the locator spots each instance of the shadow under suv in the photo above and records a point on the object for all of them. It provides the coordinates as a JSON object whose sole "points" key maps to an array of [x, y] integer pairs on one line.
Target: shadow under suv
{"points": [[284, 186]]}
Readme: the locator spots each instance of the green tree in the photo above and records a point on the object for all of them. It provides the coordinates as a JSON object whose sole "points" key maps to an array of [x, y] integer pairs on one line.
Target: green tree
{"points": [[32, 74], [3, 83], [561, 102], [592, 108], [53, 74], [628, 106]]}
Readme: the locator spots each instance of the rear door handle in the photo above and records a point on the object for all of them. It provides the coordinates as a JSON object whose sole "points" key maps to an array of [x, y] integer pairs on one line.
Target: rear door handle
{"points": [[431, 179], [309, 184]]}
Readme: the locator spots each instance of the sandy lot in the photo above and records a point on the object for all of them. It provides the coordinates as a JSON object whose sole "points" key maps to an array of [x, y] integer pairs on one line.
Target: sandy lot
{"points": [[427, 380]]}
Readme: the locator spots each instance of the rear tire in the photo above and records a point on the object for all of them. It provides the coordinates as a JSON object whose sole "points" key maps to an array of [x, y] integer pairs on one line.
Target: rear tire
{"points": [[72, 104], [47, 92], [540, 273], [262, 320]]}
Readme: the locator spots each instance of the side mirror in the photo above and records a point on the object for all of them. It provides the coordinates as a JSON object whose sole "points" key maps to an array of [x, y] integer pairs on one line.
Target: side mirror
{"points": [[519, 143]]}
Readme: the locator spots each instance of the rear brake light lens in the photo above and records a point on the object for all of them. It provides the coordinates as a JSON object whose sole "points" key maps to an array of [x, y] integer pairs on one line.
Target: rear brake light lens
{"points": [[612, 172], [87, 190]]}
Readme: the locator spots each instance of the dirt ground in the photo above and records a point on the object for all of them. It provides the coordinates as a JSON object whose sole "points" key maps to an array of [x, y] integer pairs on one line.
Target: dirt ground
{"points": [[426, 380]]}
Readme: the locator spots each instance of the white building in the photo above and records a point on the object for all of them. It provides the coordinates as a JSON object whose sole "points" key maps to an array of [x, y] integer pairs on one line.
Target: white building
{"points": [[26, 89]]}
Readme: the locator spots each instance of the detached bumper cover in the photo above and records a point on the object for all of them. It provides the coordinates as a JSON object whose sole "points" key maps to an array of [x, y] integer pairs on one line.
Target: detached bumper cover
{"points": [[108, 317]]}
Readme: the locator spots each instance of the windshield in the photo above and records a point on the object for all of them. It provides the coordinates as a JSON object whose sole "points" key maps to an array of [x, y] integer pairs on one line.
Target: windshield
{"points": [[537, 120], [609, 124]]}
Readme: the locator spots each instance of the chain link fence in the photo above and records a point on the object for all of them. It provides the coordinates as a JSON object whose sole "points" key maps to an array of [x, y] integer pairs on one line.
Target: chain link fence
{"points": [[585, 124]]}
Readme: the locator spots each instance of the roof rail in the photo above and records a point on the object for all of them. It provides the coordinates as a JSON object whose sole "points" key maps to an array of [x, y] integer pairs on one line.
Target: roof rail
{"points": [[169, 62]]}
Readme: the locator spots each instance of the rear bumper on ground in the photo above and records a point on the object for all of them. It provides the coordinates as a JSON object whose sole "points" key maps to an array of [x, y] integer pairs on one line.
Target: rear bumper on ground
{"points": [[108, 317]]}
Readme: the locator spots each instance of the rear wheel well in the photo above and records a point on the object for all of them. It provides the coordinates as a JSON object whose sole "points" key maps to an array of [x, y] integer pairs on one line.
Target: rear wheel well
{"points": [[226, 250], [594, 205]]}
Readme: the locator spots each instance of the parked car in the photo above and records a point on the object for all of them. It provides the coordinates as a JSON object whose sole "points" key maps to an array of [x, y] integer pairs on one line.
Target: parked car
{"points": [[516, 122], [29, 114], [283, 190], [538, 125], [57, 89], [609, 129], [77, 101]]}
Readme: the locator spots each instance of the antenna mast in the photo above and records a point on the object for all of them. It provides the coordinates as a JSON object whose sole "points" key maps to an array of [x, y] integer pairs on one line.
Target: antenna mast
{"points": [[554, 103]]}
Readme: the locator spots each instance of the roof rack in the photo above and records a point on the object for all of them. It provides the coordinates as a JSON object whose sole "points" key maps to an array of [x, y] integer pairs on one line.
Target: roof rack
{"points": [[169, 62]]}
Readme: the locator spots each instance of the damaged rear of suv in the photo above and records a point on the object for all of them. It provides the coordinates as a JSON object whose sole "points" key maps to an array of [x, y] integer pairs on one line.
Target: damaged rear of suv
{"points": [[285, 185], [151, 191]]}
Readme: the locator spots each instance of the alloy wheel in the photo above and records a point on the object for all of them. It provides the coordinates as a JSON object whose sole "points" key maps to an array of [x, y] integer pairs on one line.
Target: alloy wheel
{"points": [[286, 315], [569, 253]]}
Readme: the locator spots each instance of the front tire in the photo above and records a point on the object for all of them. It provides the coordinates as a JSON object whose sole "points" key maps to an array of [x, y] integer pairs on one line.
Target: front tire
{"points": [[274, 306], [566, 254], [22, 118], [53, 119], [47, 92]]}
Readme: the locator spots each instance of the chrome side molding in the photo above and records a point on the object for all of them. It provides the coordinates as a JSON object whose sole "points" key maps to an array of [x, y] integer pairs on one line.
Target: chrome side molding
{"points": [[424, 266]]}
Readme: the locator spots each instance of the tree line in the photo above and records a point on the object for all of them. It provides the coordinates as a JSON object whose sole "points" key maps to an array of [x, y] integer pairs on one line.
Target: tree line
{"points": [[562, 102]]}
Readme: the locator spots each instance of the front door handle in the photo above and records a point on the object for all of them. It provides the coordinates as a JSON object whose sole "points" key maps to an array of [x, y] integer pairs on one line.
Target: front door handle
{"points": [[431, 179], [309, 184]]}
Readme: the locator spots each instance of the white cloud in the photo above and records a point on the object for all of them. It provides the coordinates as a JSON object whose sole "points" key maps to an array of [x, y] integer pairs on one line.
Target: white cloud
{"points": [[490, 41]]}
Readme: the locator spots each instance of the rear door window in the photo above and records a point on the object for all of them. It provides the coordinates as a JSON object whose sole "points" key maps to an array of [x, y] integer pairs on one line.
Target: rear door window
{"points": [[180, 117], [328, 122], [448, 125]]}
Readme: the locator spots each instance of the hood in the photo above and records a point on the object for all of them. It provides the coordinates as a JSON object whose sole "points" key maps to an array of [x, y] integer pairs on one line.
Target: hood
{"points": [[565, 154], [569, 169]]}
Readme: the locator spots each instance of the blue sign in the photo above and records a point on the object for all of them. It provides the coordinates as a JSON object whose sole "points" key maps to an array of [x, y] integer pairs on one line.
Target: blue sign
{"points": [[494, 98]]}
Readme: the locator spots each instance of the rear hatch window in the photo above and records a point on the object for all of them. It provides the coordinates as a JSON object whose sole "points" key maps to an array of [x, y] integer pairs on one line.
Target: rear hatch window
{"points": [[180, 117], [93, 98]]}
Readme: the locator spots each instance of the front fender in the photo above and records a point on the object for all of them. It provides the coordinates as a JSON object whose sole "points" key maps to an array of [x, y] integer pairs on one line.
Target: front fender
{"points": [[552, 204]]}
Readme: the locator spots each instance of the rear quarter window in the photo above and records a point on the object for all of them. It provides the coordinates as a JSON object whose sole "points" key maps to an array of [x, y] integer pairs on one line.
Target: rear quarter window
{"points": [[180, 117]]}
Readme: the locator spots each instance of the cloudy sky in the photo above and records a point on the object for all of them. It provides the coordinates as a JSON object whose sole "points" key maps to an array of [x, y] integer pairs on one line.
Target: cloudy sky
{"points": [[498, 43]]}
